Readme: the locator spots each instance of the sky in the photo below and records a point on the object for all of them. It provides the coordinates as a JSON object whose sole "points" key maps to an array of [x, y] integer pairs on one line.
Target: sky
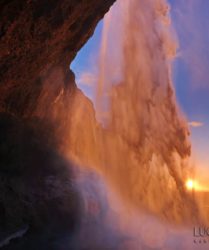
{"points": [[84, 65], [190, 20], [190, 69]]}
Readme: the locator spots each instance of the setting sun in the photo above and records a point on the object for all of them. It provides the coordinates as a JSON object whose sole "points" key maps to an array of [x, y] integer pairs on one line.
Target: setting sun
{"points": [[190, 184]]}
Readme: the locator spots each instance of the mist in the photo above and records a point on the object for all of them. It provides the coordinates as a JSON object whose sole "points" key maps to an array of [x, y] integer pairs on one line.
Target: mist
{"points": [[131, 145]]}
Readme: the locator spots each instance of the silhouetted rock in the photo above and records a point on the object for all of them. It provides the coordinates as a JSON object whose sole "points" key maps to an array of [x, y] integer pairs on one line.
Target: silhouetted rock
{"points": [[38, 41], [36, 35], [36, 187]]}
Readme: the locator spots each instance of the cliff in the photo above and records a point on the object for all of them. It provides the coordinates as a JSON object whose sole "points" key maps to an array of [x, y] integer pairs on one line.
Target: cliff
{"points": [[38, 41]]}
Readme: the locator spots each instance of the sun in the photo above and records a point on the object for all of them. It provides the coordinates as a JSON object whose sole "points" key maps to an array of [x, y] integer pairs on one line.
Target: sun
{"points": [[190, 184]]}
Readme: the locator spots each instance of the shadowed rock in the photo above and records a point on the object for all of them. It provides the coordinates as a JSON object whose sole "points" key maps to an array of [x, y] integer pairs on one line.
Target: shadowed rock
{"points": [[36, 35], [36, 185]]}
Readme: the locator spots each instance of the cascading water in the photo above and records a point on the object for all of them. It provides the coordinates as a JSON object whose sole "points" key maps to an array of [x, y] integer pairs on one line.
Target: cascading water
{"points": [[134, 138], [141, 144]]}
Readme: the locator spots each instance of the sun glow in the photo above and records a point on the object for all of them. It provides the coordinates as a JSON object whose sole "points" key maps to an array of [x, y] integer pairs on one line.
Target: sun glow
{"points": [[190, 184], [194, 185]]}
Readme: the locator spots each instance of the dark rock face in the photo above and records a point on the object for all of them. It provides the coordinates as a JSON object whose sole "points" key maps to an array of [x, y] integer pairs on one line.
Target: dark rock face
{"points": [[36, 184], [53, 203], [36, 35], [38, 41]]}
